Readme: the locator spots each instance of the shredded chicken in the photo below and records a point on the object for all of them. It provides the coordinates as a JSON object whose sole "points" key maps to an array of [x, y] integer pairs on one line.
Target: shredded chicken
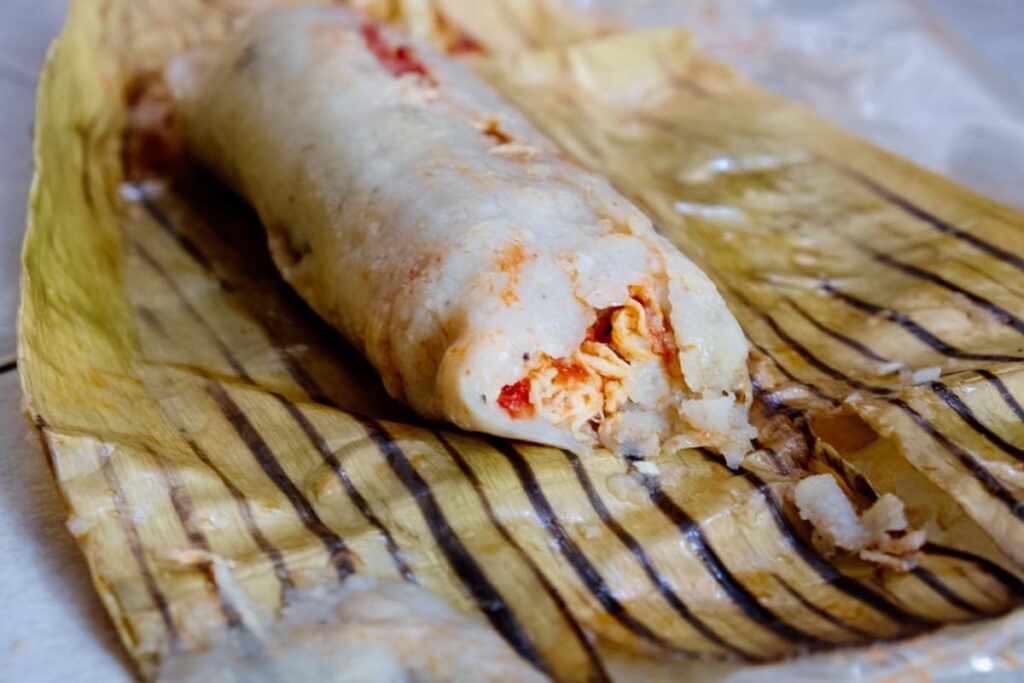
{"points": [[631, 335], [581, 391]]}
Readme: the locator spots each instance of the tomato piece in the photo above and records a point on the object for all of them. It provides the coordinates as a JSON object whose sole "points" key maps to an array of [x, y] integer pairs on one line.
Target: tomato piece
{"points": [[399, 60], [515, 399]]}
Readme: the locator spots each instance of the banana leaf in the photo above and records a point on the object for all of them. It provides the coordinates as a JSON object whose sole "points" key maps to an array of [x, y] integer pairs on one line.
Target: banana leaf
{"points": [[220, 450]]}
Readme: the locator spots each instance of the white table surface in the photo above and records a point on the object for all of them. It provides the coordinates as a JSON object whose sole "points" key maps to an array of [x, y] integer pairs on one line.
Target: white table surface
{"points": [[52, 625]]}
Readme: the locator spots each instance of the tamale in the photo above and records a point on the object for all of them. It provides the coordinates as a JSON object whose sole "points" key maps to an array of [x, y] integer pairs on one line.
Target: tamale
{"points": [[491, 282]]}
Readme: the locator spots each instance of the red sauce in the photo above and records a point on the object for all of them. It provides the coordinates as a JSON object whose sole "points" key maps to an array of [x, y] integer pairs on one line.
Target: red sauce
{"points": [[515, 399], [464, 44], [662, 340], [569, 371], [399, 60], [601, 330], [510, 261]]}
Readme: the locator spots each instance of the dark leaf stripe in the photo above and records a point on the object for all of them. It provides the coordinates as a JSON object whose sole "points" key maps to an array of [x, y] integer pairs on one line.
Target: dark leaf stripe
{"points": [[305, 382], [777, 406], [1013, 585], [998, 312], [984, 272], [264, 455], [773, 455], [814, 389], [931, 219], [586, 572], [149, 318], [488, 598], [1004, 392], [124, 515], [271, 552], [164, 221], [182, 504], [172, 284], [964, 411], [733, 587], [942, 590], [774, 404], [827, 572], [857, 346], [599, 673], [903, 320], [353, 493], [802, 351], [660, 583], [311, 389], [816, 362], [969, 462], [821, 612], [298, 374], [950, 398]]}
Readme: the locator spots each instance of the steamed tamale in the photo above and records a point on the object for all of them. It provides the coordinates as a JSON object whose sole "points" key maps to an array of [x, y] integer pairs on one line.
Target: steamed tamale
{"points": [[492, 282]]}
